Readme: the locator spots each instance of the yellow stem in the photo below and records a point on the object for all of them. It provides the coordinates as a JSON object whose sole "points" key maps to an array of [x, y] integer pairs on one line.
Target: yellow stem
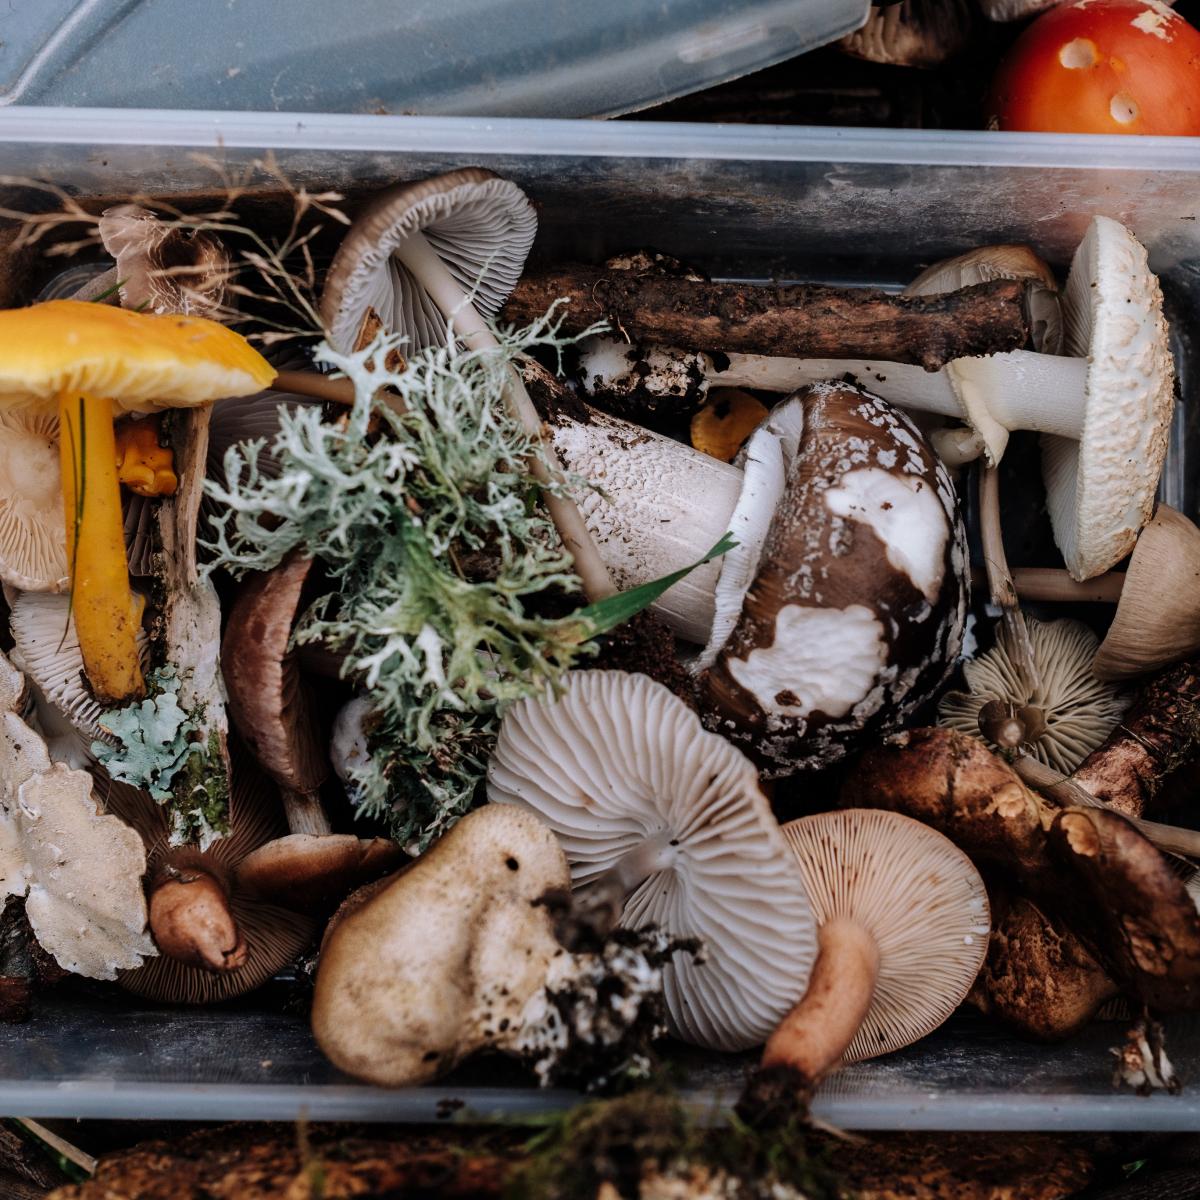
{"points": [[105, 610]]}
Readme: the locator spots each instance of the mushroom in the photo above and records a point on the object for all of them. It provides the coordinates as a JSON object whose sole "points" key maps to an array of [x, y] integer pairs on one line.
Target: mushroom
{"points": [[1014, 10], [842, 608], [441, 960], [74, 356], [904, 924], [432, 260], [912, 33], [728, 418], [648, 804], [33, 548], [1062, 720], [144, 465]]}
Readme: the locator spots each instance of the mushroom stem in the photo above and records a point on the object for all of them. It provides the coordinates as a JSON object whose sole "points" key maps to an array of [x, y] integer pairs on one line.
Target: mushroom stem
{"points": [[192, 923], [1072, 794], [429, 270], [1001, 588], [1055, 585], [106, 612], [305, 813], [812, 1038], [335, 389]]}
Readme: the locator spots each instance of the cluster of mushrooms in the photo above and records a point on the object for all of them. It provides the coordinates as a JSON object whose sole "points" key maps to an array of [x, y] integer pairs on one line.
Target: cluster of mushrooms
{"points": [[991, 843]]}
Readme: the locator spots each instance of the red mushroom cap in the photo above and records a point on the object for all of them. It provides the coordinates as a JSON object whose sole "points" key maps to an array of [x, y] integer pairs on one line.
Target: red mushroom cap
{"points": [[1102, 66]]}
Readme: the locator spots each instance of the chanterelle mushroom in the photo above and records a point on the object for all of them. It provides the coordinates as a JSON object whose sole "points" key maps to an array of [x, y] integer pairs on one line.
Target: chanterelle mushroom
{"points": [[1062, 720], [441, 961], [644, 800], [904, 925], [848, 607]]}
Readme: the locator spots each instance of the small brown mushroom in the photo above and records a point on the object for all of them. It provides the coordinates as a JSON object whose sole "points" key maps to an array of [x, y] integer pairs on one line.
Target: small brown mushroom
{"points": [[912, 33], [728, 418]]}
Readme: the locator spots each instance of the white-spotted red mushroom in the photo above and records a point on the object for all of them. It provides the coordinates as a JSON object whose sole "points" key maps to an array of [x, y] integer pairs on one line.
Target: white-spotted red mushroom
{"points": [[851, 570], [645, 801]]}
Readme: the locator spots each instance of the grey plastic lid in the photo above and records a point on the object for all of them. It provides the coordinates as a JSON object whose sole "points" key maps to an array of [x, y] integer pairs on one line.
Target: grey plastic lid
{"points": [[533, 58]]}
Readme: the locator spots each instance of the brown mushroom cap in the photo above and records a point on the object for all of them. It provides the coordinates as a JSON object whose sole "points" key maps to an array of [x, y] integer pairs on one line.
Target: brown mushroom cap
{"points": [[274, 935], [856, 614]]}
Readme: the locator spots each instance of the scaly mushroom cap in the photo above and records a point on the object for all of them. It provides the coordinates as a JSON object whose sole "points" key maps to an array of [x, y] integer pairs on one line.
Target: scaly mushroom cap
{"points": [[1100, 490], [623, 772], [268, 700], [143, 361], [33, 546], [480, 225], [921, 900], [1078, 710], [856, 613], [274, 935], [440, 961], [48, 650]]}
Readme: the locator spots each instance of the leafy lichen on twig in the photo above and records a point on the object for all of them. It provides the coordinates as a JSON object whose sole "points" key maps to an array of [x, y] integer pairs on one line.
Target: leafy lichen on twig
{"points": [[425, 473]]}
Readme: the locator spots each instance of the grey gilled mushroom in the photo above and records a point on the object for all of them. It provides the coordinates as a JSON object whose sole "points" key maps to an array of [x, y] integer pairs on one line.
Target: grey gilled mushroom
{"points": [[645, 801], [842, 608], [440, 255], [904, 925], [1061, 720], [33, 546]]}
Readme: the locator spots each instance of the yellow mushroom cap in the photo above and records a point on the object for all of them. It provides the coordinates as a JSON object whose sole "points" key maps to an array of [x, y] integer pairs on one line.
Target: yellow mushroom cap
{"points": [[142, 361]]}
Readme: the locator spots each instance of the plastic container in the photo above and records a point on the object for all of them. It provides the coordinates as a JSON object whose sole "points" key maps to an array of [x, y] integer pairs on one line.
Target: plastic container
{"points": [[756, 203], [532, 58]]}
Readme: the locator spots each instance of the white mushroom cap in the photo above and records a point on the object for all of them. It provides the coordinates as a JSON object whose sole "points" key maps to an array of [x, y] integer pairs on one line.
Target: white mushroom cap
{"points": [[1079, 710], [47, 649], [1100, 490], [14, 690], [480, 225], [33, 542], [86, 904], [921, 900], [625, 775]]}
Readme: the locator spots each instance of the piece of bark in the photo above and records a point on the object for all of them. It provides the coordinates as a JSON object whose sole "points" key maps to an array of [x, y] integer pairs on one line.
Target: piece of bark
{"points": [[1160, 733], [798, 321]]}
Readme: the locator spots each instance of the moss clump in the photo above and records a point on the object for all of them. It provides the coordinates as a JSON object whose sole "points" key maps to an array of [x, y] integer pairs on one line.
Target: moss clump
{"points": [[200, 796]]}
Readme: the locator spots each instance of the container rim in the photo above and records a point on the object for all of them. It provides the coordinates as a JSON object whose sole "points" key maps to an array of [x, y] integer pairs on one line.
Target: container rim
{"points": [[544, 138]]}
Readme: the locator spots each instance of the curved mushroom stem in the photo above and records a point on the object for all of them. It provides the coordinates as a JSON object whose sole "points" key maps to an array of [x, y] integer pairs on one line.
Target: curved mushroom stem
{"points": [[305, 813], [429, 270], [812, 1038], [1068, 792], [106, 612], [1000, 584], [192, 923], [1054, 584]]}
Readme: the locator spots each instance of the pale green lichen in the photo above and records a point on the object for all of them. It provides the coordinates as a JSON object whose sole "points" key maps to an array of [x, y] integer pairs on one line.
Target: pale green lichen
{"points": [[397, 505]]}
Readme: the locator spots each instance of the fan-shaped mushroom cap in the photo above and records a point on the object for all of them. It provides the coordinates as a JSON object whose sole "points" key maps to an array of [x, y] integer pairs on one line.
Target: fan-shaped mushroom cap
{"points": [[1077, 711], [274, 935], [143, 361], [33, 546], [920, 899], [856, 612], [625, 775], [48, 651], [440, 961], [480, 225], [1100, 489]]}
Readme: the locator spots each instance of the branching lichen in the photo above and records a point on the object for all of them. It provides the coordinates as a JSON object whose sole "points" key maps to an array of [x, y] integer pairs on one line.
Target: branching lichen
{"points": [[422, 510]]}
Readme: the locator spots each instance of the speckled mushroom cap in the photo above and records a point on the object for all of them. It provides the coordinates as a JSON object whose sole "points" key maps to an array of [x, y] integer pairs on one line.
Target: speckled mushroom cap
{"points": [[622, 771], [1100, 489], [921, 900], [480, 225], [1079, 710], [856, 610], [33, 544]]}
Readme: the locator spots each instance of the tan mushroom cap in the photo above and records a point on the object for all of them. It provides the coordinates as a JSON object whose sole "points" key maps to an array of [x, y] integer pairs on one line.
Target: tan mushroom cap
{"points": [[1079, 710], [33, 545], [631, 783], [14, 690], [919, 897], [480, 225]]}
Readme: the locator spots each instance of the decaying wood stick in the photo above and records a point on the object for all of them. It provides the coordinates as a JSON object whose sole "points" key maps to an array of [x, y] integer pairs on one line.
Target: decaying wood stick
{"points": [[799, 321]]}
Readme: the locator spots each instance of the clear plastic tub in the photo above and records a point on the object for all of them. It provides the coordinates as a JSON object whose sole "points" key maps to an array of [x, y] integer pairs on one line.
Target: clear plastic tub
{"points": [[759, 203]]}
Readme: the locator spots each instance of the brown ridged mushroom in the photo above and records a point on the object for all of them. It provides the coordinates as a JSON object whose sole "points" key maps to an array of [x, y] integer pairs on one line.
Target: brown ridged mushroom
{"points": [[912, 33]]}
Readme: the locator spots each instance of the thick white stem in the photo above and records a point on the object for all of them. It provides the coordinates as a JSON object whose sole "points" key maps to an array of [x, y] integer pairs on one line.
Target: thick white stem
{"points": [[663, 507], [455, 305]]}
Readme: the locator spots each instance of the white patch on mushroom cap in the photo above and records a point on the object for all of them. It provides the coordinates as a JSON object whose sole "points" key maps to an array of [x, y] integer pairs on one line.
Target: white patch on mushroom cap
{"points": [[822, 660], [907, 517], [1154, 19]]}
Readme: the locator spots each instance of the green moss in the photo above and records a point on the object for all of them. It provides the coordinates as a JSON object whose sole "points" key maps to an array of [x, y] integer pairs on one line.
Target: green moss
{"points": [[200, 796]]}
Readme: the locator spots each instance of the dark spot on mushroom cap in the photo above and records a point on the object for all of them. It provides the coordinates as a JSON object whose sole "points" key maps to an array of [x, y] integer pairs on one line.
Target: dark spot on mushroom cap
{"points": [[720, 361], [430, 1056], [512, 864], [786, 699]]}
